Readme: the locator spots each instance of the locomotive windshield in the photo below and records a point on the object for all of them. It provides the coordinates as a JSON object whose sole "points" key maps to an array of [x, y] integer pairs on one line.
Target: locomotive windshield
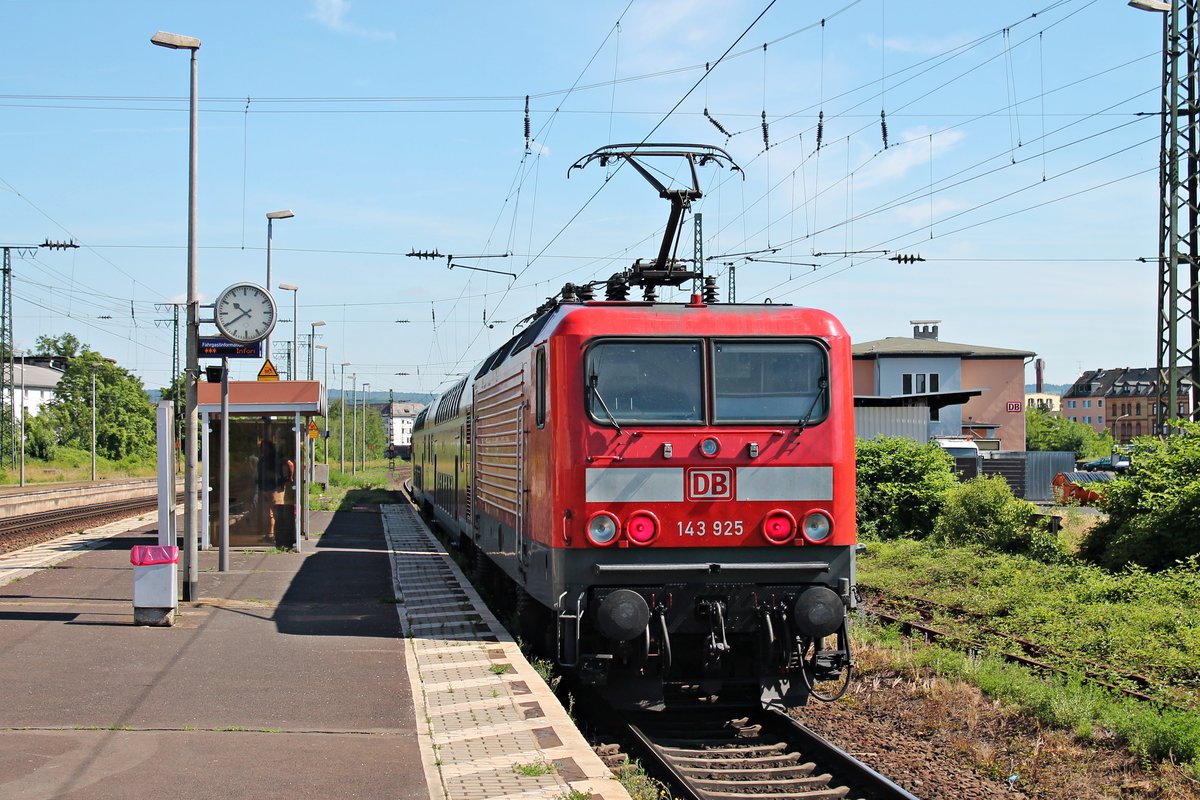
{"points": [[769, 381], [655, 381]]}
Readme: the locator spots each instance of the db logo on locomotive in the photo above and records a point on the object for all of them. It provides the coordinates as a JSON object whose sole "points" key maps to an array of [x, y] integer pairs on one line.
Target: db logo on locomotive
{"points": [[708, 484]]}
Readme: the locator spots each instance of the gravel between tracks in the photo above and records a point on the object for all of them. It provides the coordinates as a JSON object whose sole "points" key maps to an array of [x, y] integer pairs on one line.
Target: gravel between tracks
{"points": [[947, 741], [31, 538]]}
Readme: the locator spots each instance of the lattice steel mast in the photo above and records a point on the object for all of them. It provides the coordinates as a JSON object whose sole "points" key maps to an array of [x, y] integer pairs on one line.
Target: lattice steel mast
{"points": [[1179, 217]]}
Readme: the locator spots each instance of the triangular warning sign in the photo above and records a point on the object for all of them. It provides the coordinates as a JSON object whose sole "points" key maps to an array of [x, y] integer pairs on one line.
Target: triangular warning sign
{"points": [[313, 430], [268, 372]]}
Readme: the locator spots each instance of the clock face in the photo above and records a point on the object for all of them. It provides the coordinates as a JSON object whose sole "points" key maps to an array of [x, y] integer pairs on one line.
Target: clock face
{"points": [[245, 313]]}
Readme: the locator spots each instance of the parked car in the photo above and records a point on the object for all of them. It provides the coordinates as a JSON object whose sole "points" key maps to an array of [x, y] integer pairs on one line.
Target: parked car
{"points": [[1118, 462]]}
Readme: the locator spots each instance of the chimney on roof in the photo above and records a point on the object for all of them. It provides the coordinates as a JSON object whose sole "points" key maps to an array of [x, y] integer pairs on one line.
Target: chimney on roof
{"points": [[1039, 369], [925, 328]]}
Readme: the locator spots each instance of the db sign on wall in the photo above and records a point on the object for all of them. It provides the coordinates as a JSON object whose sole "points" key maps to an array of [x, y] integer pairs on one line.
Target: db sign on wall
{"points": [[1016, 408], [708, 484]]}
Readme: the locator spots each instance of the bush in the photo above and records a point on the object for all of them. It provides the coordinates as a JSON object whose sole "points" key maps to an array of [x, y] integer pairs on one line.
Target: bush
{"points": [[1154, 510], [901, 485], [983, 511]]}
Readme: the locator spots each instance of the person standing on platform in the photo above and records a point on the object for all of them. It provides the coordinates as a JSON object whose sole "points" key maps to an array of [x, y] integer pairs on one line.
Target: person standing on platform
{"points": [[270, 492]]}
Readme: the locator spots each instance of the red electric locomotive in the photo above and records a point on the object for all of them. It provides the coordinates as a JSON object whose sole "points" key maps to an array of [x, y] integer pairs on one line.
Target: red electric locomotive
{"points": [[670, 487]]}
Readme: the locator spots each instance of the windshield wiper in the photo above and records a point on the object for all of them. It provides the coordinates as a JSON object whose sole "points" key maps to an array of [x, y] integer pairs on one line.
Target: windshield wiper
{"points": [[822, 386], [596, 392]]}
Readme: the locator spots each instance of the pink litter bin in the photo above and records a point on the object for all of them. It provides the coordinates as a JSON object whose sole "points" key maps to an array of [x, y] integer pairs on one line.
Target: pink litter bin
{"points": [[155, 582]]}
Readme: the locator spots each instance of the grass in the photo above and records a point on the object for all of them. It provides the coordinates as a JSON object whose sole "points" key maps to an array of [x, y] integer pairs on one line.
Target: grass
{"points": [[369, 486], [639, 785], [534, 769], [71, 465], [1135, 622]]}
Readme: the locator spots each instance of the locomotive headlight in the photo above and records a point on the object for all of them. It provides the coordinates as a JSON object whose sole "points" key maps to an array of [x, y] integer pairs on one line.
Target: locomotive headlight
{"points": [[602, 529], [817, 527], [641, 527], [779, 526], [710, 447]]}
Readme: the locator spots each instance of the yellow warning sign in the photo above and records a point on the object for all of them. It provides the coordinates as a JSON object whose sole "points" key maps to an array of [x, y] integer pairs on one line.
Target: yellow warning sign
{"points": [[313, 430], [268, 372]]}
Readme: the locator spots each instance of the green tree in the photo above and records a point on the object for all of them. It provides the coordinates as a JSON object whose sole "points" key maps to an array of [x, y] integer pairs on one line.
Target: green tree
{"points": [[1046, 431], [983, 512], [901, 485], [376, 431], [124, 416], [1154, 510], [66, 345]]}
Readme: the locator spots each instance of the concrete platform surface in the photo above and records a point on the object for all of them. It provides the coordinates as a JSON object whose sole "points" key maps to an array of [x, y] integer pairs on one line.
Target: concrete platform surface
{"points": [[292, 676]]}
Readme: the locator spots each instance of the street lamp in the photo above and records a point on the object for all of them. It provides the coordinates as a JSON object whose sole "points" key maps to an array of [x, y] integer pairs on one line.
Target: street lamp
{"points": [[295, 290], [191, 436], [271, 217], [94, 368], [325, 383], [342, 437], [366, 391], [353, 423], [24, 402], [312, 345]]}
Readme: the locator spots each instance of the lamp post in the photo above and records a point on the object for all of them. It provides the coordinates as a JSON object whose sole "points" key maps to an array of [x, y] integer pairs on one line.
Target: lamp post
{"points": [[325, 383], [1116, 432], [353, 423], [366, 391], [295, 290], [94, 367], [192, 372], [312, 345], [342, 437], [24, 400], [271, 217]]}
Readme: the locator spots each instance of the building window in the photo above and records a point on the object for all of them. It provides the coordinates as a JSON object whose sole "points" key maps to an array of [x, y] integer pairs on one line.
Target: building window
{"points": [[919, 382], [1100, 420], [1139, 413], [1071, 404], [1087, 403], [1100, 404], [1087, 420]]}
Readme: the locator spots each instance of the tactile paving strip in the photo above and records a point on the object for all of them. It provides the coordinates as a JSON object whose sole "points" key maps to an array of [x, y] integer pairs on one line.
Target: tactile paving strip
{"points": [[483, 731]]}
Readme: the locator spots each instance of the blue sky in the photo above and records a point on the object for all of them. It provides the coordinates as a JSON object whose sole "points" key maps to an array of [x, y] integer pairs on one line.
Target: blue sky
{"points": [[1021, 164]]}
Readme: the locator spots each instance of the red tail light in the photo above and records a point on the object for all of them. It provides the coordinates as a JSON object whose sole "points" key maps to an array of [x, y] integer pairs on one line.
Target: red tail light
{"points": [[641, 527], [779, 526]]}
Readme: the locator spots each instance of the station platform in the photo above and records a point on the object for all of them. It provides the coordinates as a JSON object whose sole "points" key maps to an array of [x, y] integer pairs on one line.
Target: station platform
{"points": [[365, 667]]}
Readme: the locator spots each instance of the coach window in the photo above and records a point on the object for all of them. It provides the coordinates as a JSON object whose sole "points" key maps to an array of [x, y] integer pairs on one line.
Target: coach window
{"points": [[652, 381], [769, 381], [540, 389]]}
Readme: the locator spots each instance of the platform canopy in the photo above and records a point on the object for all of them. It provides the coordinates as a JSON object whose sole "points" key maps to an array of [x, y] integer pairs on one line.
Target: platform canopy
{"points": [[259, 398]]}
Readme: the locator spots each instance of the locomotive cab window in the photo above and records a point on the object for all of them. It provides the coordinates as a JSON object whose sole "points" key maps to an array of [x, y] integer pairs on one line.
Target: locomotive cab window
{"points": [[770, 381], [645, 381]]}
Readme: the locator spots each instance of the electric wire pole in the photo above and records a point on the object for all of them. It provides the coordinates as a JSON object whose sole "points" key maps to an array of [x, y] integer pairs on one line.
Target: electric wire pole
{"points": [[8, 407], [1179, 218]]}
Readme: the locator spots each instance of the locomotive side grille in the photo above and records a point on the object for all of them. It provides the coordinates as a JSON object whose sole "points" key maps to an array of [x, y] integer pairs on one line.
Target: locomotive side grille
{"points": [[497, 446]]}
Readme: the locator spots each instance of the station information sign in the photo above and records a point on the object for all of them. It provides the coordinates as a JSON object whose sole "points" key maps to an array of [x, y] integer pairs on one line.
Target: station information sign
{"points": [[220, 347]]}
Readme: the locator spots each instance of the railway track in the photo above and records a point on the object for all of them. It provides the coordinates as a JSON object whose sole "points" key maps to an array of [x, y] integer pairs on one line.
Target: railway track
{"points": [[25, 529], [1016, 649], [724, 753]]}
